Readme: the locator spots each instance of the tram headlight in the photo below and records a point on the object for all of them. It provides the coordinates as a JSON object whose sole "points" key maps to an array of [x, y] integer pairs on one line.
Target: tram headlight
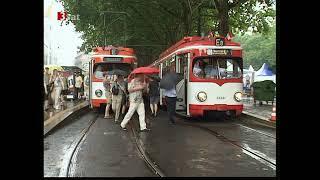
{"points": [[238, 96], [202, 96], [98, 93]]}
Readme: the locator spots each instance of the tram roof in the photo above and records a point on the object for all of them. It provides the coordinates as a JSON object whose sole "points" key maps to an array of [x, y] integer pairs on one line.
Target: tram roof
{"points": [[113, 50], [196, 40]]}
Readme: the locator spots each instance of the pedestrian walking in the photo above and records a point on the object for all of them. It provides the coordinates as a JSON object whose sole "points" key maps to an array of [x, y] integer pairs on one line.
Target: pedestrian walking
{"points": [[117, 90], [154, 94], [168, 83], [78, 85], [107, 87], [135, 88]]}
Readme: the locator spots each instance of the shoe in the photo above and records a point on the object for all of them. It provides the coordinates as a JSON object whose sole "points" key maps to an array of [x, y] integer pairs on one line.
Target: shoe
{"points": [[125, 129], [145, 130]]}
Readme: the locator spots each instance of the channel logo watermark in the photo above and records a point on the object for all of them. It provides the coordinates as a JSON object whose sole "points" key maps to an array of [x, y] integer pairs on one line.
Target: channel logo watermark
{"points": [[63, 16]]}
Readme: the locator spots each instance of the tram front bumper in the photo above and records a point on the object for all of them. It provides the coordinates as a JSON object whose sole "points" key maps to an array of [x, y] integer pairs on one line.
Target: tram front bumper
{"points": [[198, 110]]}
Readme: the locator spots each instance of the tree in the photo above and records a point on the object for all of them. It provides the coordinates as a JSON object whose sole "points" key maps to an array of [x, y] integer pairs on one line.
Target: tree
{"points": [[154, 25], [259, 48]]}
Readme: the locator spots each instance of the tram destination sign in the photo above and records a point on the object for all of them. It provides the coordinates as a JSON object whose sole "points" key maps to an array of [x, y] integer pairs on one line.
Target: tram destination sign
{"points": [[112, 59], [221, 52]]}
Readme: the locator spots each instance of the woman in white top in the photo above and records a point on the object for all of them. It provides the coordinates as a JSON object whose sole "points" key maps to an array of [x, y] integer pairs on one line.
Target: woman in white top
{"points": [[58, 84]]}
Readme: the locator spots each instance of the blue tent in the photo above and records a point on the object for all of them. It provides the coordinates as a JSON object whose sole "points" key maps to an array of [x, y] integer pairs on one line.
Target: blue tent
{"points": [[264, 71]]}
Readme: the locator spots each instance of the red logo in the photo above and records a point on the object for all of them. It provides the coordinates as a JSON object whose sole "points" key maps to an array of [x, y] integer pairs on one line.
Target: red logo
{"points": [[62, 16]]}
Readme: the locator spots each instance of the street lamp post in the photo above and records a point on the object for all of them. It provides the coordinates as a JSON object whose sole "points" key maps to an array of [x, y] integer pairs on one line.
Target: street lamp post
{"points": [[125, 23]]}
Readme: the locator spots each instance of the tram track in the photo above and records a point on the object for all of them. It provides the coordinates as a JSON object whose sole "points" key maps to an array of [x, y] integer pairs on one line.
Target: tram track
{"points": [[146, 157], [68, 162], [257, 131], [246, 150]]}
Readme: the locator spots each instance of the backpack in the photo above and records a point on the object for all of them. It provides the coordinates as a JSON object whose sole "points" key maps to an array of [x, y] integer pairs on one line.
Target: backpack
{"points": [[115, 89]]}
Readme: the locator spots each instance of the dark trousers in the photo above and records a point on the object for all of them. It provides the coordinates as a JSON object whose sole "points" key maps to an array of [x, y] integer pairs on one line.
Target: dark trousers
{"points": [[78, 91], [171, 107]]}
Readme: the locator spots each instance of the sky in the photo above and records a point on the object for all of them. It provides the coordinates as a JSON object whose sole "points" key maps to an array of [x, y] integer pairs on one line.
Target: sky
{"points": [[65, 37]]}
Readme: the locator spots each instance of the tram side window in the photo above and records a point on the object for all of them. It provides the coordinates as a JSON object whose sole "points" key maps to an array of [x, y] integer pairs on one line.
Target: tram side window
{"points": [[173, 63], [164, 68]]}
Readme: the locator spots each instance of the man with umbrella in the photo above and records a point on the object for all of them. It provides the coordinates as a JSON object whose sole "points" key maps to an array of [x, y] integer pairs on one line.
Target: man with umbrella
{"points": [[168, 83], [135, 88]]}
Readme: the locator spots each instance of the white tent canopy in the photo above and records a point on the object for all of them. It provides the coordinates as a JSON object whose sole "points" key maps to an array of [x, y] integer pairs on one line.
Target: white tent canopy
{"points": [[251, 68], [264, 73]]}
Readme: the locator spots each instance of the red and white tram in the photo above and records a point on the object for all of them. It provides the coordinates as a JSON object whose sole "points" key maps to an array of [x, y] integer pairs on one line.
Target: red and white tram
{"points": [[103, 60], [210, 71]]}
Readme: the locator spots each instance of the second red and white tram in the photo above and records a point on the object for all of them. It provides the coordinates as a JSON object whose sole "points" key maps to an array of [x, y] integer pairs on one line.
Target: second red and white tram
{"points": [[210, 71], [103, 60]]}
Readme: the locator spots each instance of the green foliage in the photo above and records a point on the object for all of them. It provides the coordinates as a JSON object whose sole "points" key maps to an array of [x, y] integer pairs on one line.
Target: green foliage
{"points": [[161, 23], [258, 49]]}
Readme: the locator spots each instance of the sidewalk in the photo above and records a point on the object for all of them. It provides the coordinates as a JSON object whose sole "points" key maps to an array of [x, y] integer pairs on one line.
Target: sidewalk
{"points": [[54, 117], [259, 111], [52, 112]]}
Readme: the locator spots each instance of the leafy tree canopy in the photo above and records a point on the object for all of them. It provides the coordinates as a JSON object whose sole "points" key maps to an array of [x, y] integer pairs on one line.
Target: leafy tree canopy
{"points": [[151, 26]]}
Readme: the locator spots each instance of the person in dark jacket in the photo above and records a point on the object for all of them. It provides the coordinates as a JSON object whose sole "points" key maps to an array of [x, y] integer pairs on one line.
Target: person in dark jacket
{"points": [[154, 95], [168, 83]]}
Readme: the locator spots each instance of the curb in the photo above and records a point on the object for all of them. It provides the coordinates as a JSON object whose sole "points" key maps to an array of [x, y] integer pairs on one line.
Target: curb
{"points": [[259, 119], [59, 117]]}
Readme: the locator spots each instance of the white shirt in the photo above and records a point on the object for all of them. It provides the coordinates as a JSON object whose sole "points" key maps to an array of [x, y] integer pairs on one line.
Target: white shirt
{"points": [[170, 93], [78, 82]]}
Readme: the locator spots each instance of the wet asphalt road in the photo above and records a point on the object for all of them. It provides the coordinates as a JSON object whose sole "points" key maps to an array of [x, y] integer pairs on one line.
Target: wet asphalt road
{"points": [[188, 151], [178, 150], [258, 139], [107, 151], [58, 141]]}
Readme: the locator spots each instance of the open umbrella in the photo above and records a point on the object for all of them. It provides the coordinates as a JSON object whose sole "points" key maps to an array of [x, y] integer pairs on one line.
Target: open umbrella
{"points": [[142, 70], [155, 77], [169, 81], [53, 67], [118, 72], [145, 70]]}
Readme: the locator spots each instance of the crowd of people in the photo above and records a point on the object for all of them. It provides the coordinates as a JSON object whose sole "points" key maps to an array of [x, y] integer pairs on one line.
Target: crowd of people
{"points": [[126, 98], [123, 97], [56, 88]]}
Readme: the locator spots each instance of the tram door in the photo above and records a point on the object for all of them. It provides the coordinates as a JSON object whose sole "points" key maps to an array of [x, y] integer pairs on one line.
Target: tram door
{"points": [[181, 70]]}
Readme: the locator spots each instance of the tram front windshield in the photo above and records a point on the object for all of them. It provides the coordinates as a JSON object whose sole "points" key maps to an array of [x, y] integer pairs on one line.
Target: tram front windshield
{"points": [[101, 68], [217, 68]]}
